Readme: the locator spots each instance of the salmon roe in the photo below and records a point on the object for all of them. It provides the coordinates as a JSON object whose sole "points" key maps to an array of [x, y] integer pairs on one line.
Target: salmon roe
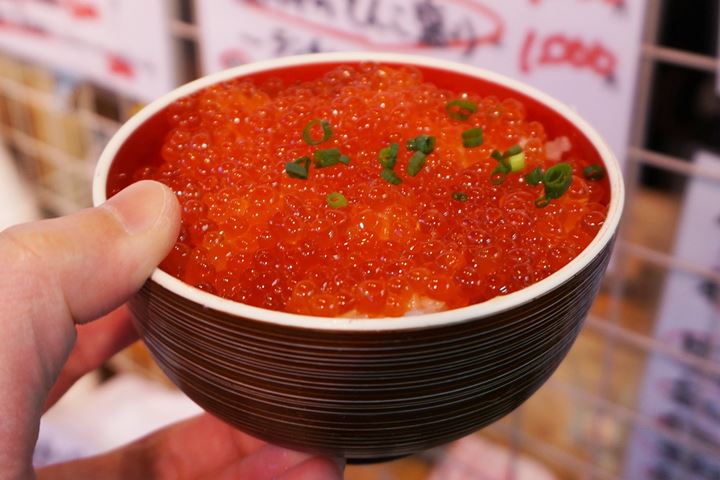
{"points": [[445, 238]]}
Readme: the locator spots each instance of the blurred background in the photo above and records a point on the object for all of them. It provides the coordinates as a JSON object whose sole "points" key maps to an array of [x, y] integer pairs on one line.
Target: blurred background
{"points": [[638, 396]]}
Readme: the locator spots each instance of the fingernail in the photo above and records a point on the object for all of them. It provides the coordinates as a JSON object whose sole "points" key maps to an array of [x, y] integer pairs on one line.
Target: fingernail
{"points": [[139, 207]]}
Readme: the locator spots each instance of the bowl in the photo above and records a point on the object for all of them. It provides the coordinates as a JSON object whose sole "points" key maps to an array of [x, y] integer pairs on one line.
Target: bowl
{"points": [[365, 389]]}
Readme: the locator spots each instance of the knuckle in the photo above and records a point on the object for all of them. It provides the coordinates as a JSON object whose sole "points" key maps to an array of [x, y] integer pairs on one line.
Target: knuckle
{"points": [[25, 267], [20, 250]]}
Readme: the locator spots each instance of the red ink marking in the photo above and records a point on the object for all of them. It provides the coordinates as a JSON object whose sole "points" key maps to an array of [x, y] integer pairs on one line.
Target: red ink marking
{"points": [[526, 51], [23, 29], [121, 67], [603, 61], [82, 10], [612, 3], [557, 49], [233, 57]]}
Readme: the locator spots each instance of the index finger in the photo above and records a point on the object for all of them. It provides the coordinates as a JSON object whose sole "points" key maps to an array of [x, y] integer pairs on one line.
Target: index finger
{"points": [[96, 342], [188, 450]]}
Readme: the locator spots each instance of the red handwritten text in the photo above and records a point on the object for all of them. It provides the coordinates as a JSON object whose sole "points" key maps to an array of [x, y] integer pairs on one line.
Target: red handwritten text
{"points": [[561, 50], [120, 66], [612, 3], [80, 9]]}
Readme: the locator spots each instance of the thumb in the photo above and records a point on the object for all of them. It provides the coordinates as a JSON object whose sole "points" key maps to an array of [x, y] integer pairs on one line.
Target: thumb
{"points": [[64, 271], [87, 264]]}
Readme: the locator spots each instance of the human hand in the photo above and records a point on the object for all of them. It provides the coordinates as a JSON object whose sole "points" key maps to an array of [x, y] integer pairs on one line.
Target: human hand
{"points": [[58, 276]]}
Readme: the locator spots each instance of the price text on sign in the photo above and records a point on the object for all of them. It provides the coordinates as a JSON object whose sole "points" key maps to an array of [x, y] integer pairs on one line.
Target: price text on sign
{"points": [[558, 49]]}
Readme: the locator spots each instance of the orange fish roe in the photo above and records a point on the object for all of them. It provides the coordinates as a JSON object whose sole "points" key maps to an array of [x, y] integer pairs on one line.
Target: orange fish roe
{"points": [[453, 233]]}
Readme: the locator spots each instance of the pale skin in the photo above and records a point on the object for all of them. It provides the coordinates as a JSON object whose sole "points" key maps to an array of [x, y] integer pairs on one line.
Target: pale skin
{"points": [[62, 292]]}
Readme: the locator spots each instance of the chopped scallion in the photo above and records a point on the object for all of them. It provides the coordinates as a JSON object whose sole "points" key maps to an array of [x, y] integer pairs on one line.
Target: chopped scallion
{"points": [[298, 168], [557, 180], [460, 109], [542, 202], [329, 157], [388, 156], [517, 162], [498, 175], [514, 150], [460, 196], [503, 163], [390, 176], [422, 143], [416, 163], [472, 137], [336, 200], [535, 176], [307, 133], [594, 172]]}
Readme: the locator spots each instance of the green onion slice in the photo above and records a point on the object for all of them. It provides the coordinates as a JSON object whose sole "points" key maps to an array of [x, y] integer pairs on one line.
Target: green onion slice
{"points": [[472, 137], [336, 200], [388, 156], [422, 143], [390, 176], [329, 157], [299, 168], [542, 202], [514, 150], [517, 162], [460, 109], [416, 163], [503, 162], [557, 180], [460, 196], [594, 172], [535, 176], [307, 134], [498, 175]]}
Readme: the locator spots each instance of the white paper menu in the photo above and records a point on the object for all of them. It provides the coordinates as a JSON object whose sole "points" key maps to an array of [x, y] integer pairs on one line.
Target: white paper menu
{"points": [[584, 52], [123, 45], [681, 398]]}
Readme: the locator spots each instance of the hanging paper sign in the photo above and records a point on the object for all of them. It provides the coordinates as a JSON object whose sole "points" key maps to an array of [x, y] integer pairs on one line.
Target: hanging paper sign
{"points": [[122, 45]]}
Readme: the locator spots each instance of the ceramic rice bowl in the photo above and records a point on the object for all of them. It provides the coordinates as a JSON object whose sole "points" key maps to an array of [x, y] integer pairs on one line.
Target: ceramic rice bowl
{"points": [[366, 389]]}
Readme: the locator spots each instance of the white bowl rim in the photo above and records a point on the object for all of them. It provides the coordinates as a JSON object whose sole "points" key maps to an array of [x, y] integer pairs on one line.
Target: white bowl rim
{"points": [[472, 312]]}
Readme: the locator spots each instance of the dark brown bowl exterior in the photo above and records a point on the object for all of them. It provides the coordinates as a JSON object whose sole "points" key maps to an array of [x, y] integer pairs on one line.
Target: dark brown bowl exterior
{"points": [[364, 395]]}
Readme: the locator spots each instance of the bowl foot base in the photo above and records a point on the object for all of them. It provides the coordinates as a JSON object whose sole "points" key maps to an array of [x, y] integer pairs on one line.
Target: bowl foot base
{"points": [[368, 461]]}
